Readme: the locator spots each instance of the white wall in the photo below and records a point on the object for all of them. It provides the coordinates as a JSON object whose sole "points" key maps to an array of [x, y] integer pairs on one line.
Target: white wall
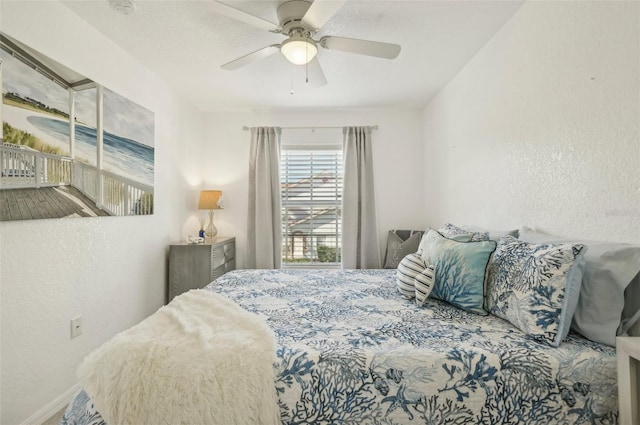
{"points": [[542, 126], [397, 155], [112, 271]]}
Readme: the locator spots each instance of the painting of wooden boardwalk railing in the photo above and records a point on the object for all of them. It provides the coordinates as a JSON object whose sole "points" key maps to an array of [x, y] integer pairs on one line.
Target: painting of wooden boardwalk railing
{"points": [[100, 162]]}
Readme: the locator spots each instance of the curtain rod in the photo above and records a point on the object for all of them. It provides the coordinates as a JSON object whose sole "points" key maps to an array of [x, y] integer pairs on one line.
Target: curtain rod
{"points": [[245, 128]]}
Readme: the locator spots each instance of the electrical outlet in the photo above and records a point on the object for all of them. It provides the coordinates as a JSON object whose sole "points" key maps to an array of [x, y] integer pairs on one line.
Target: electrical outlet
{"points": [[76, 326]]}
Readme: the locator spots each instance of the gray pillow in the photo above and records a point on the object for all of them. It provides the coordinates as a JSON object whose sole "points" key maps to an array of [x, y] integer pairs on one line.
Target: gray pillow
{"points": [[634, 330], [400, 243], [630, 321], [607, 306]]}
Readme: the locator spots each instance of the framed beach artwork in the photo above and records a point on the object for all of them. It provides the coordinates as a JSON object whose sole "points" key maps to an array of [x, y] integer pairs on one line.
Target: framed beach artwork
{"points": [[70, 146]]}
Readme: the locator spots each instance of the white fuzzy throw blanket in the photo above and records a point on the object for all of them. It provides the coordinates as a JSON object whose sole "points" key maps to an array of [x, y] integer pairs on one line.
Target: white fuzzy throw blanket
{"points": [[200, 360]]}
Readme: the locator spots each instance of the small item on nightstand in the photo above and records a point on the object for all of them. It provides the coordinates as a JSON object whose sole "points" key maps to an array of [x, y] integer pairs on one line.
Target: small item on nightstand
{"points": [[201, 232], [195, 239]]}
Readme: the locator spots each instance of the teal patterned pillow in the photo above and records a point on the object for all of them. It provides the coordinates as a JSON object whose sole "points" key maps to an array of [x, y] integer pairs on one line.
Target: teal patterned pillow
{"points": [[529, 285], [460, 269], [410, 266], [456, 233]]}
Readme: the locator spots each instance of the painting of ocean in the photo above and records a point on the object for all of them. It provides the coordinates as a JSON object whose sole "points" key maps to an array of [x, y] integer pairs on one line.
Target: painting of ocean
{"points": [[121, 155], [50, 168]]}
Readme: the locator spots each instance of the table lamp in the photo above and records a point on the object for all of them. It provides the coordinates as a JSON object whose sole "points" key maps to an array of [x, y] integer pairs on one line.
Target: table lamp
{"points": [[210, 200]]}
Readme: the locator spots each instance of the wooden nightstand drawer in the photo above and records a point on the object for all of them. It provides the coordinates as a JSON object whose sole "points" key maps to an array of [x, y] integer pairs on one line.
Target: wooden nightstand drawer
{"points": [[193, 266], [223, 254], [220, 270]]}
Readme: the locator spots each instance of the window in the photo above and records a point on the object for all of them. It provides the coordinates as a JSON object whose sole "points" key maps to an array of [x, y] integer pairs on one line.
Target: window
{"points": [[311, 187]]}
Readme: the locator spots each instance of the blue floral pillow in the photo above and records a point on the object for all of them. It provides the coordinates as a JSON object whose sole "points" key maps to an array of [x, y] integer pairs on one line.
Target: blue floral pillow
{"points": [[530, 286], [459, 269], [459, 234]]}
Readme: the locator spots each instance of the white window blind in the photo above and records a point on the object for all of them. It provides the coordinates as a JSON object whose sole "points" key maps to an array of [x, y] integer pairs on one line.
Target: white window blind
{"points": [[311, 183]]}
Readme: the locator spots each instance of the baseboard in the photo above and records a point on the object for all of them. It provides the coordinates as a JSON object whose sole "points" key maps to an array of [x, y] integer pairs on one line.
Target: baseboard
{"points": [[52, 408]]}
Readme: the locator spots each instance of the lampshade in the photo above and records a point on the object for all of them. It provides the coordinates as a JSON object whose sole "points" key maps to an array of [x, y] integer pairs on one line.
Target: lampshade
{"points": [[299, 50], [209, 200]]}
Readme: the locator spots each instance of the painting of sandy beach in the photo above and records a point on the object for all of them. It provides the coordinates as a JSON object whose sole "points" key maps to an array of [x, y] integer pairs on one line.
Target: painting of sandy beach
{"points": [[53, 166]]}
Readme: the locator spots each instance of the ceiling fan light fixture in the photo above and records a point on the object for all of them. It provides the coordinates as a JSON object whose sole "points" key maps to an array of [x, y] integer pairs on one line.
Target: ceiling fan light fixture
{"points": [[299, 50]]}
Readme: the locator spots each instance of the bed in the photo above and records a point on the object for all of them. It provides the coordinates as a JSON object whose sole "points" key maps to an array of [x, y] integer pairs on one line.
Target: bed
{"points": [[352, 350]]}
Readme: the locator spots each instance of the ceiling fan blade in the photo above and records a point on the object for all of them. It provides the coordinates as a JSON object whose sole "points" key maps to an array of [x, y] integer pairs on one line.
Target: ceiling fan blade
{"points": [[241, 16], [251, 57], [362, 47], [320, 12], [316, 76]]}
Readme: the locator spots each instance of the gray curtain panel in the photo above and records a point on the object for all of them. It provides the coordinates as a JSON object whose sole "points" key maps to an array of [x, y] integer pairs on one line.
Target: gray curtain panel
{"points": [[360, 244], [264, 235]]}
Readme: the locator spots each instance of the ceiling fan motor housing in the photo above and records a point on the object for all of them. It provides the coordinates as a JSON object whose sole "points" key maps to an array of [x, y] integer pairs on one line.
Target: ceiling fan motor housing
{"points": [[290, 16]]}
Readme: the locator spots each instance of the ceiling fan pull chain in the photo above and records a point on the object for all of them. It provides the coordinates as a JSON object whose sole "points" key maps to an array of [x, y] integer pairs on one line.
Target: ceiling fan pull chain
{"points": [[293, 68], [306, 65]]}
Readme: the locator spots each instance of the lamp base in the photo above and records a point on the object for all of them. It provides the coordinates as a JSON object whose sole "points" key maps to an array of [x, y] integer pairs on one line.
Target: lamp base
{"points": [[211, 228]]}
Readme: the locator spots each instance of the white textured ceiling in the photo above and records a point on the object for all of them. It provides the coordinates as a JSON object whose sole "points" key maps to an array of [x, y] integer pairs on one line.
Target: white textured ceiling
{"points": [[185, 42]]}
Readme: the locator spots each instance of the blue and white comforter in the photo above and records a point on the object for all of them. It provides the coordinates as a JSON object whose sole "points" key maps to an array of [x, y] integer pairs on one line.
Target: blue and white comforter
{"points": [[353, 351]]}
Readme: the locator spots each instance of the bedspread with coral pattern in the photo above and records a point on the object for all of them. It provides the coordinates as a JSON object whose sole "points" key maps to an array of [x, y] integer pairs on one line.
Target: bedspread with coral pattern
{"points": [[353, 351]]}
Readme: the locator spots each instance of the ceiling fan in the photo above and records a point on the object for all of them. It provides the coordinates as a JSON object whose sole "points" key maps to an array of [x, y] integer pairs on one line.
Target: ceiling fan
{"points": [[299, 21]]}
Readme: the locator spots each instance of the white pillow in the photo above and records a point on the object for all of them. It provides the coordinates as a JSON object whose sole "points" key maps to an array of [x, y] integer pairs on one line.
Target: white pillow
{"points": [[408, 268], [423, 283]]}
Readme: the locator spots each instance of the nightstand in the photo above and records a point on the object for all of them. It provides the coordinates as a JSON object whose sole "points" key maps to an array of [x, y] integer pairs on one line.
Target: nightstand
{"points": [[193, 266], [628, 352]]}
